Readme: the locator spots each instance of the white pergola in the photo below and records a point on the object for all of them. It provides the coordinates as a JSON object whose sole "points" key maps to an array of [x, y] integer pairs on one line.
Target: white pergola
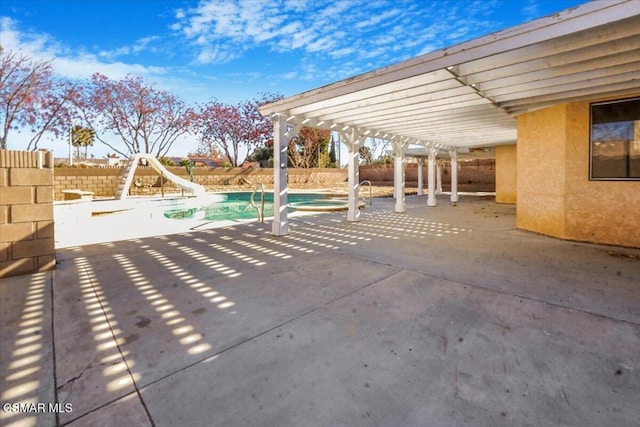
{"points": [[466, 95]]}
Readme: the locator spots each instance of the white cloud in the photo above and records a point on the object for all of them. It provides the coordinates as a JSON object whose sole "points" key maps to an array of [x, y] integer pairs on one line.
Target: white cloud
{"points": [[342, 52], [214, 54], [384, 39], [379, 18], [83, 67], [74, 65], [530, 10], [13, 39], [376, 32], [302, 39], [427, 48], [141, 45], [322, 44], [145, 43]]}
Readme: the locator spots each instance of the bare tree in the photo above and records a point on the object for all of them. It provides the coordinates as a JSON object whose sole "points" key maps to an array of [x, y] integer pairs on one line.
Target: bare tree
{"points": [[309, 149], [235, 130], [377, 147], [31, 97], [147, 120], [365, 155]]}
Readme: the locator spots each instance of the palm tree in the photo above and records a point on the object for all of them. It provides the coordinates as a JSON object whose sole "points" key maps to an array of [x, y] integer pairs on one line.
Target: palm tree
{"points": [[82, 137]]}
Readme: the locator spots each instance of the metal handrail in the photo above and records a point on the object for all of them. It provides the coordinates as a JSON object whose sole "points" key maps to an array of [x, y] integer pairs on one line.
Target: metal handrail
{"points": [[366, 181], [260, 208]]}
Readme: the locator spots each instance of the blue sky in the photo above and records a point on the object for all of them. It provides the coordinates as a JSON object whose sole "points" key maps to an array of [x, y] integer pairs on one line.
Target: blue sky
{"points": [[232, 50]]}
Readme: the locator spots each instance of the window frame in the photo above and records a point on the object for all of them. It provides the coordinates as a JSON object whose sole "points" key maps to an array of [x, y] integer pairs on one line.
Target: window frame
{"points": [[591, 105]]}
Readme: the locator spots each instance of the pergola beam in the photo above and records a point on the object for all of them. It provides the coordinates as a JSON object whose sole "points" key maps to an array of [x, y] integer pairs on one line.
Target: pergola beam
{"points": [[469, 119], [568, 82], [584, 92], [467, 98], [392, 88], [515, 110], [551, 67], [441, 91], [570, 44]]}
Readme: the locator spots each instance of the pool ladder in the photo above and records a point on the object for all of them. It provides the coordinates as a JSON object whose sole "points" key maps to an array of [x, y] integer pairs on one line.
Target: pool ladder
{"points": [[260, 209], [364, 199]]}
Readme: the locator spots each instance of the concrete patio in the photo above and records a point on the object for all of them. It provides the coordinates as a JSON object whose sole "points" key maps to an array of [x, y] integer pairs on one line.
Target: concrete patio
{"points": [[438, 316]]}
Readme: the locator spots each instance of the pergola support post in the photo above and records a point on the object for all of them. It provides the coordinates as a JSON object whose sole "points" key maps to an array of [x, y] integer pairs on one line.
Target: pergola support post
{"points": [[353, 141], [420, 179], [398, 175], [438, 178], [281, 137], [454, 175], [431, 177]]}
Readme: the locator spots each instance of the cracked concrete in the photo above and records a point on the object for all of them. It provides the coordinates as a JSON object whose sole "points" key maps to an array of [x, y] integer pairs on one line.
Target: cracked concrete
{"points": [[439, 316]]}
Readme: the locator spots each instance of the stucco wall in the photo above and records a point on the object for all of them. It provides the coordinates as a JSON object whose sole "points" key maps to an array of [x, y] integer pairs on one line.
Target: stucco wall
{"points": [[597, 211], [506, 174], [541, 171], [555, 195]]}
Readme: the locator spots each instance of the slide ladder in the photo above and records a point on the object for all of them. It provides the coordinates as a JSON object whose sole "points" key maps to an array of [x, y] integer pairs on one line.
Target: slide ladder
{"points": [[252, 202], [125, 181], [125, 178], [364, 199]]}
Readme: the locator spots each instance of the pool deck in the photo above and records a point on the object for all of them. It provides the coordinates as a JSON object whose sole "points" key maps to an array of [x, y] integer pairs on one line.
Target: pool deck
{"points": [[438, 316]]}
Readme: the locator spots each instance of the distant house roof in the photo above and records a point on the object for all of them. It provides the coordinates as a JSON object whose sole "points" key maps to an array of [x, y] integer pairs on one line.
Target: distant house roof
{"points": [[199, 161], [250, 164], [89, 162]]}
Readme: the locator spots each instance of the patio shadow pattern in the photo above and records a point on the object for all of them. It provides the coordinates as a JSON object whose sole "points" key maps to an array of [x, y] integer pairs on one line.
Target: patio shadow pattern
{"points": [[435, 316]]}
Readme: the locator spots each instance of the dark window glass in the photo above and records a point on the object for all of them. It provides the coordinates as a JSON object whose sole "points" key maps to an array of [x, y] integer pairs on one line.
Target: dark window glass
{"points": [[615, 140]]}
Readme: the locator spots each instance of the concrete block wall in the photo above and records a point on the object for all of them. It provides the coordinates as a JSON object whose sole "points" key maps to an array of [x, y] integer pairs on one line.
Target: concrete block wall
{"points": [[26, 212], [506, 174], [473, 175], [102, 181]]}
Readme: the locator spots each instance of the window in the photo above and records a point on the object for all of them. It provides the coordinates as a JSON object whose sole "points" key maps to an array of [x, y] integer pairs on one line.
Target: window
{"points": [[615, 140]]}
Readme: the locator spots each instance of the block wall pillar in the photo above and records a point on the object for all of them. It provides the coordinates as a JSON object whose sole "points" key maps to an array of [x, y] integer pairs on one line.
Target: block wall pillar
{"points": [[506, 174], [26, 212]]}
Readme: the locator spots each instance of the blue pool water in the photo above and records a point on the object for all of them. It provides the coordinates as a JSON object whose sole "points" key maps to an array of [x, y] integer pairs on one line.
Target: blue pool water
{"points": [[234, 206]]}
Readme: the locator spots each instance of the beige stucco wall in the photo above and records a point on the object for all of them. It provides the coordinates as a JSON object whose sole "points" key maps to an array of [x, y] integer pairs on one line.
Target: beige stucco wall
{"points": [[506, 174], [555, 195], [597, 211], [541, 171]]}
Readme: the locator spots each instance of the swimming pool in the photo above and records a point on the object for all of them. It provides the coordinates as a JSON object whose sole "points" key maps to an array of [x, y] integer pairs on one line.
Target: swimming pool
{"points": [[236, 206], [100, 221]]}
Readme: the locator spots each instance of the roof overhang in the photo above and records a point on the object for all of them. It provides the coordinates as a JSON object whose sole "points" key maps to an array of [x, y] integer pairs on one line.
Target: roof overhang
{"points": [[469, 94]]}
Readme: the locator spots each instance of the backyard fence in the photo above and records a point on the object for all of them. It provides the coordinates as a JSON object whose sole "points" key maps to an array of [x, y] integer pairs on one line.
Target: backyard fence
{"points": [[102, 182], [473, 175]]}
